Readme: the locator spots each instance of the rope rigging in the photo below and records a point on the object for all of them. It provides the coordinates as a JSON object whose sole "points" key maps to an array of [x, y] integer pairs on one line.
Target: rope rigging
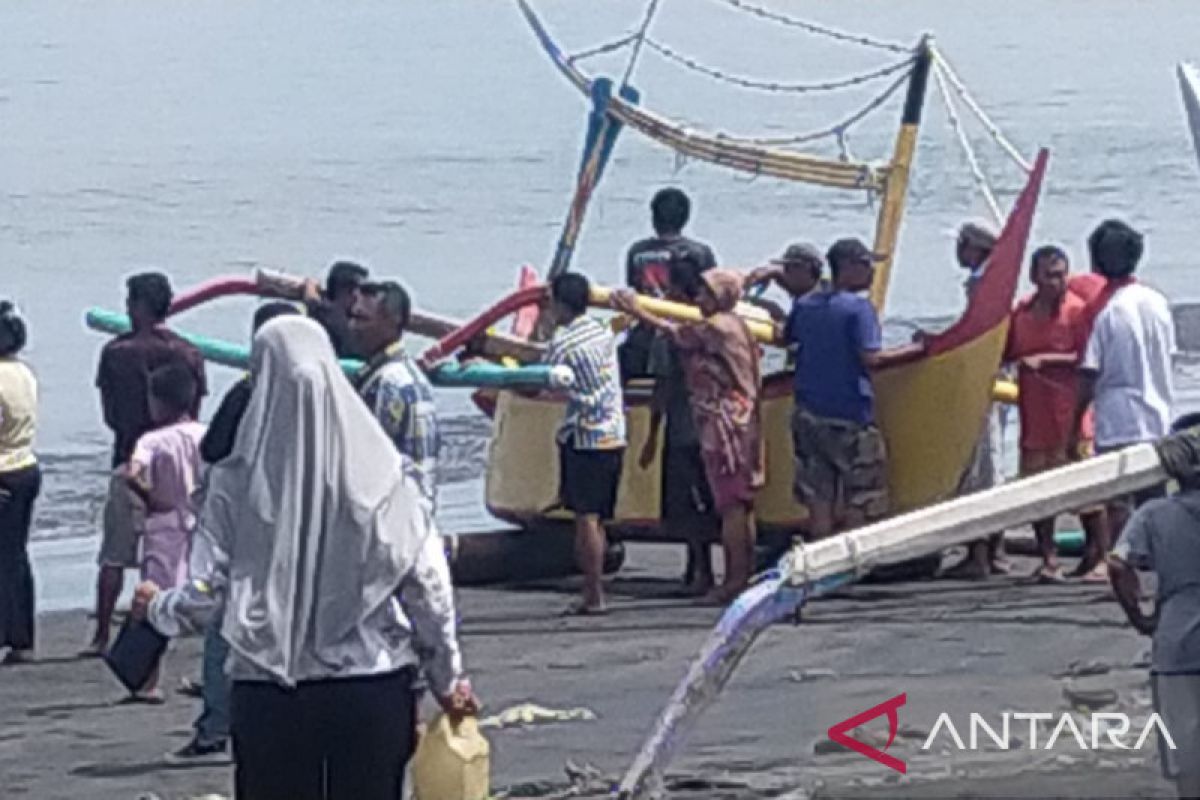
{"points": [[639, 40], [992, 128], [956, 125], [774, 86], [599, 50], [813, 28], [743, 152], [838, 129]]}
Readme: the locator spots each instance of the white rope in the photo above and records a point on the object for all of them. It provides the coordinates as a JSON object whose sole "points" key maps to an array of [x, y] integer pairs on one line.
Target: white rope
{"points": [[774, 86], [811, 27], [992, 128], [639, 40], [838, 129], [956, 124], [599, 50]]}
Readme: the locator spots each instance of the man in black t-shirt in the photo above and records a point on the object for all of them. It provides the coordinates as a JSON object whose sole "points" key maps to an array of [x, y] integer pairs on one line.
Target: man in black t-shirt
{"points": [[648, 264]]}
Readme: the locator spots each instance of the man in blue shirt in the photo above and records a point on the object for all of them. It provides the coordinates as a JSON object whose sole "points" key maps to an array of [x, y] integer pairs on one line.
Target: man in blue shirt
{"points": [[841, 458]]}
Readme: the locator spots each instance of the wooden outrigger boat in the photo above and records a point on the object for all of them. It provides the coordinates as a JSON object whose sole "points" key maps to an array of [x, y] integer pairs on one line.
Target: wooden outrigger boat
{"points": [[931, 411]]}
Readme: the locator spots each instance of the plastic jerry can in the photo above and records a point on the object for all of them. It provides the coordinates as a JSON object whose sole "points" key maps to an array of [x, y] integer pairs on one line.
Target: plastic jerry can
{"points": [[452, 762]]}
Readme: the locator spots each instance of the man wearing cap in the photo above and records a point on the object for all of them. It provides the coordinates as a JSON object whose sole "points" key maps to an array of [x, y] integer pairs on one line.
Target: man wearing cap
{"points": [[797, 272], [840, 453], [974, 249]]}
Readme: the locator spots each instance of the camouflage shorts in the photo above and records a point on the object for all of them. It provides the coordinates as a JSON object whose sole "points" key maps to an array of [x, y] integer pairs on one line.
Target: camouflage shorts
{"points": [[840, 462]]}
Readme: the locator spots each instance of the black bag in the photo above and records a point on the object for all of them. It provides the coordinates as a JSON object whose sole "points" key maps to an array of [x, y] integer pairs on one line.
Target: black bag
{"points": [[136, 653]]}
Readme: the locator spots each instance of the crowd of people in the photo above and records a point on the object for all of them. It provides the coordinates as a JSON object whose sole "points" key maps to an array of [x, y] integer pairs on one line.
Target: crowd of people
{"points": [[307, 482]]}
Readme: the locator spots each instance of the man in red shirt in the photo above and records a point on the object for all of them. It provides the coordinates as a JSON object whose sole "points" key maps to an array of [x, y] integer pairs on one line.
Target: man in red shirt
{"points": [[1046, 338]]}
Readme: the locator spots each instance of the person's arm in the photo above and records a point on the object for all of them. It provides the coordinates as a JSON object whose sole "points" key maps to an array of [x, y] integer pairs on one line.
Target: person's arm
{"points": [[1040, 361], [106, 401], [771, 273], [1133, 551], [137, 477], [190, 608], [869, 339], [882, 359], [626, 302], [1128, 590], [427, 596], [218, 440]]}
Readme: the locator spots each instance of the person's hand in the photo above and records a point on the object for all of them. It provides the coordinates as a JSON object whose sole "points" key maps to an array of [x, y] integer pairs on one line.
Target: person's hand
{"points": [[759, 275], [1075, 450], [143, 595], [461, 702], [649, 450], [1034, 363], [623, 300], [312, 291]]}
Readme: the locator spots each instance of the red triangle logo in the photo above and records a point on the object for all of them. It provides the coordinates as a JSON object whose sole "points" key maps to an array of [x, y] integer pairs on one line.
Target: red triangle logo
{"points": [[838, 732]]}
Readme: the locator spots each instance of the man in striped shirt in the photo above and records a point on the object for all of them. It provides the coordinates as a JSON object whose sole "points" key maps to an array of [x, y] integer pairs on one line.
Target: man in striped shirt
{"points": [[591, 439], [391, 383]]}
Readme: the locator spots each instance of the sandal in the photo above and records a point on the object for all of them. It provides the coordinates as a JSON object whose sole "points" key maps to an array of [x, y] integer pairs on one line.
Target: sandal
{"points": [[581, 609]]}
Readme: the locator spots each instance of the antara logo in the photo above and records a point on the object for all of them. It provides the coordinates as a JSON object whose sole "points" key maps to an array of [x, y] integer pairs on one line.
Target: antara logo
{"points": [[1111, 730], [890, 707]]}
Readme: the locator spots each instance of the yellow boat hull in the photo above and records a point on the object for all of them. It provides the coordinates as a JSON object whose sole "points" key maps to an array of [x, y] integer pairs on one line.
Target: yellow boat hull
{"points": [[932, 412]]}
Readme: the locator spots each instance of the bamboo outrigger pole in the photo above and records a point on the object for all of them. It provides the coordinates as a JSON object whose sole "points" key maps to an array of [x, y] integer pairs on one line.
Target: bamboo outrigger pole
{"points": [[891, 212]]}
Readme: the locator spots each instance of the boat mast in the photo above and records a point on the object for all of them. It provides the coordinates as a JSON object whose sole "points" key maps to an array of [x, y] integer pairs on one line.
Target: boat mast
{"points": [[891, 212]]}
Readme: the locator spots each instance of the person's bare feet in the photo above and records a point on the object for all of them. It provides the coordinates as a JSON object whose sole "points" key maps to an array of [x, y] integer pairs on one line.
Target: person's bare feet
{"points": [[1000, 566], [1097, 574], [1086, 566], [154, 697], [581, 608], [1048, 573]]}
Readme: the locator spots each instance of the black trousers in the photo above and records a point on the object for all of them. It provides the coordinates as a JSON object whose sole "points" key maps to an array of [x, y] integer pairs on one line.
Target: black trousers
{"points": [[338, 739], [18, 491]]}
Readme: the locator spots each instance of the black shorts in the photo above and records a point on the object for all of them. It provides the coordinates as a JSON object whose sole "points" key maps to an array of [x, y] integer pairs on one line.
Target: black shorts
{"points": [[589, 479], [685, 491]]}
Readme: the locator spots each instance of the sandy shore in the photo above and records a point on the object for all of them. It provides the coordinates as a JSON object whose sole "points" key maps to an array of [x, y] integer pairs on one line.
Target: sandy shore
{"points": [[951, 646]]}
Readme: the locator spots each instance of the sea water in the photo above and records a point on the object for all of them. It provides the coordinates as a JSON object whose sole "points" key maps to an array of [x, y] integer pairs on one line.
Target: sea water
{"points": [[435, 143]]}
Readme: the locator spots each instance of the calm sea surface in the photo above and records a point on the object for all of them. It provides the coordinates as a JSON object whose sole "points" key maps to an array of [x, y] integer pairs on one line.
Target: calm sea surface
{"points": [[434, 142]]}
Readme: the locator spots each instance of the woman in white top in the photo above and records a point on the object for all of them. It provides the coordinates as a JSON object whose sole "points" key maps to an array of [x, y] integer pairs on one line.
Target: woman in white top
{"points": [[314, 543], [20, 482]]}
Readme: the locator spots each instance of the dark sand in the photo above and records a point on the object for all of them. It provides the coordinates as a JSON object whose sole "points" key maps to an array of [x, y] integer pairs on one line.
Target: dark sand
{"points": [[951, 646]]}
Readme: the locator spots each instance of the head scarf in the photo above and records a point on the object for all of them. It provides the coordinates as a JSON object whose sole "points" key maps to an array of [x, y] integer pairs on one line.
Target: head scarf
{"points": [[726, 287], [321, 515]]}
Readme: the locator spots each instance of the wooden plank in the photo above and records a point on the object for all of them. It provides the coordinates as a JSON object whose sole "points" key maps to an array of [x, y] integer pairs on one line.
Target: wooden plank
{"points": [[976, 516]]}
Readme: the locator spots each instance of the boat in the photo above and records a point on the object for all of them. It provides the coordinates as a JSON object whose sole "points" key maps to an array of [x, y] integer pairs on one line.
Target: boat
{"points": [[1189, 85], [931, 411]]}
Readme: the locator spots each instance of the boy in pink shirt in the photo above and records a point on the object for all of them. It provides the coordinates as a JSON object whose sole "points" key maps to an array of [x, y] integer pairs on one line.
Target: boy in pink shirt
{"points": [[164, 471]]}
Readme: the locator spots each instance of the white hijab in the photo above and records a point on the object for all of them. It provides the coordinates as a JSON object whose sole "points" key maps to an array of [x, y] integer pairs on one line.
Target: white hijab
{"points": [[320, 515]]}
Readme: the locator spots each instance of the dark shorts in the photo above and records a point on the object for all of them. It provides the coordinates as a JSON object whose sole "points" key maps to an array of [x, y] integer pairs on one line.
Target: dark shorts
{"points": [[589, 479], [840, 460], [686, 494]]}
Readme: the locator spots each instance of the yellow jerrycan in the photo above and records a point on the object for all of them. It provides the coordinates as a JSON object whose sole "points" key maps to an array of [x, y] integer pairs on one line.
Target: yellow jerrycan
{"points": [[452, 762]]}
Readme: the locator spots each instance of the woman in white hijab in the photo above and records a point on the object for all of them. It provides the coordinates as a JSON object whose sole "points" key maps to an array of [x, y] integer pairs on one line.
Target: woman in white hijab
{"points": [[314, 545]]}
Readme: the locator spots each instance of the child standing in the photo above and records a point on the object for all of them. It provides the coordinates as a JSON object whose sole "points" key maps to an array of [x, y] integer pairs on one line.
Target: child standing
{"points": [[164, 471]]}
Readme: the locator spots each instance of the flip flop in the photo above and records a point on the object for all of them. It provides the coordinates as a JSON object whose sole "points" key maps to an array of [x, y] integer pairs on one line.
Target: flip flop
{"points": [[155, 698], [582, 609], [1050, 578]]}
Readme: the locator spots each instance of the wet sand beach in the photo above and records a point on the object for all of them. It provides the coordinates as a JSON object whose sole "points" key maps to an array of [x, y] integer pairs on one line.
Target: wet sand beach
{"points": [[953, 647]]}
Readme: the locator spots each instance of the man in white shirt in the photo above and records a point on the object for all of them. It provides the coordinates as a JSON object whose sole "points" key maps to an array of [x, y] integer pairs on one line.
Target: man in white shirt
{"points": [[1126, 369]]}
